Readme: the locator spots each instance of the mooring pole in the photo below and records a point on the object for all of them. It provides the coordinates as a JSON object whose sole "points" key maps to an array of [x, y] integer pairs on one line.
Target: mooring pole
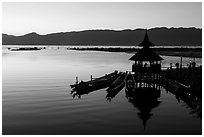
{"points": [[181, 62], [194, 59], [77, 80]]}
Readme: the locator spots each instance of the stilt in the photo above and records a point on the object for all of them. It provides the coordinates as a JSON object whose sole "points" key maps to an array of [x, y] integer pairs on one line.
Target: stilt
{"points": [[77, 80]]}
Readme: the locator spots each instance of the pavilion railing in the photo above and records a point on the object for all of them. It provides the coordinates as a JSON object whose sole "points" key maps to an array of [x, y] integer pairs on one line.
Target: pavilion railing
{"points": [[153, 68]]}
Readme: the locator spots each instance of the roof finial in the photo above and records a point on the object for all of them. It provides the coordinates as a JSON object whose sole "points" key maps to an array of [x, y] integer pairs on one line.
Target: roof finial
{"points": [[146, 43]]}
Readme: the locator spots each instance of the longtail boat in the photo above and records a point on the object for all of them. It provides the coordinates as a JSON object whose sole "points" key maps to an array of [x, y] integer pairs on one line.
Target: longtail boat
{"points": [[96, 80], [183, 92], [92, 85], [175, 87], [116, 86], [118, 83]]}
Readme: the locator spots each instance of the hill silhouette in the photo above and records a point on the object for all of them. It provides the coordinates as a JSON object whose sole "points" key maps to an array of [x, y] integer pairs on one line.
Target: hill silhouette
{"points": [[159, 36]]}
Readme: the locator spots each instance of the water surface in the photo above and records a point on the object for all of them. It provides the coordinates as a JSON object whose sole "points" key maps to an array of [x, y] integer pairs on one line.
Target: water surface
{"points": [[37, 100]]}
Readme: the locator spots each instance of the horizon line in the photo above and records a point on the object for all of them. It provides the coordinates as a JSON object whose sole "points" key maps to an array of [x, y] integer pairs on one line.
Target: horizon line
{"points": [[100, 30]]}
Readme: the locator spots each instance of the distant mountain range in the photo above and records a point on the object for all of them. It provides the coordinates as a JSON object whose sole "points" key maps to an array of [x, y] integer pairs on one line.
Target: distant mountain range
{"points": [[159, 36]]}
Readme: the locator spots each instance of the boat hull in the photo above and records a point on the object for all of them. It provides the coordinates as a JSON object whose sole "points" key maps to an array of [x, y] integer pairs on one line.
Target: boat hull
{"points": [[89, 86]]}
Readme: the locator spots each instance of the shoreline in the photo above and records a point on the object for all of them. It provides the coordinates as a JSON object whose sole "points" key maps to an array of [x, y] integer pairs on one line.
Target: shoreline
{"points": [[180, 52], [191, 52]]}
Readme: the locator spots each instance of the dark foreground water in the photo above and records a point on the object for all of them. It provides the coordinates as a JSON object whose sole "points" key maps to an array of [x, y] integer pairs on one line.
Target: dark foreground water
{"points": [[36, 97]]}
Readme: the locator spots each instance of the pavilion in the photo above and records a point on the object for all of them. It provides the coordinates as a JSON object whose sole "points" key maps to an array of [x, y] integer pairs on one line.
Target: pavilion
{"points": [[147, 64]]}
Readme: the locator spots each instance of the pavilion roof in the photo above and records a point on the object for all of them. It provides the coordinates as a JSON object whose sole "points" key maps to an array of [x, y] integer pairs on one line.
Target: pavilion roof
{"points": [[146, 53]]}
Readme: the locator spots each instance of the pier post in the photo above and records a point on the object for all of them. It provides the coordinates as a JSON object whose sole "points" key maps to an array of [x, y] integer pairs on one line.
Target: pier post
{"points": [[77, 80], [181, 63]]}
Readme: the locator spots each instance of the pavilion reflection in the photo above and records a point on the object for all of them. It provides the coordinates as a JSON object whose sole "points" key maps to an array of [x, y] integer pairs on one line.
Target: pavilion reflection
{"points": [[144, 100]]}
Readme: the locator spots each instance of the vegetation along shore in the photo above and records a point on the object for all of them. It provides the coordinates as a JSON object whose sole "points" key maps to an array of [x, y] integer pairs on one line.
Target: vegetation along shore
{"points": [[184, 52]]}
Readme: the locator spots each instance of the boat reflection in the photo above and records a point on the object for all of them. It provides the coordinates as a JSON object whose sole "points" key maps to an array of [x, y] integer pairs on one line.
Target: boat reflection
{"points": [[112, 94], [116, 87], [193, 102], [144, 100]]}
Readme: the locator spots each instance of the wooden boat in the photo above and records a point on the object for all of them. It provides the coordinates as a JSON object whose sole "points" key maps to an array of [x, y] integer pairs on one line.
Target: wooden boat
{"points": [[116, 86], [175, 86], [130, 83], [98, 83], [118, 83], [183, 92], [95, 81]]}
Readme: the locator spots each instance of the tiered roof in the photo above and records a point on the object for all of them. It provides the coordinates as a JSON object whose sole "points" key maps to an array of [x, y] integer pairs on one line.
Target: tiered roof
{"points": [[146, 53]]}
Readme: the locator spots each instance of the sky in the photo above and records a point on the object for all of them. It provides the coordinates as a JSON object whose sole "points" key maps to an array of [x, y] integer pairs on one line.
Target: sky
{"points": [[19, 18]]}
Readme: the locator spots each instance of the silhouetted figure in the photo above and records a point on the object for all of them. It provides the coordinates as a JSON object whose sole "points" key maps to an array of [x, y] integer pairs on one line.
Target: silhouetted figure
{"points": [[193, 64], [170, 66], [177, 65]]}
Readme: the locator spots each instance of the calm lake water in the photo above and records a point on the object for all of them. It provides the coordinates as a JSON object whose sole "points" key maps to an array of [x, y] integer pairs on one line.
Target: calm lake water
{"points": [[37, 100]]}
